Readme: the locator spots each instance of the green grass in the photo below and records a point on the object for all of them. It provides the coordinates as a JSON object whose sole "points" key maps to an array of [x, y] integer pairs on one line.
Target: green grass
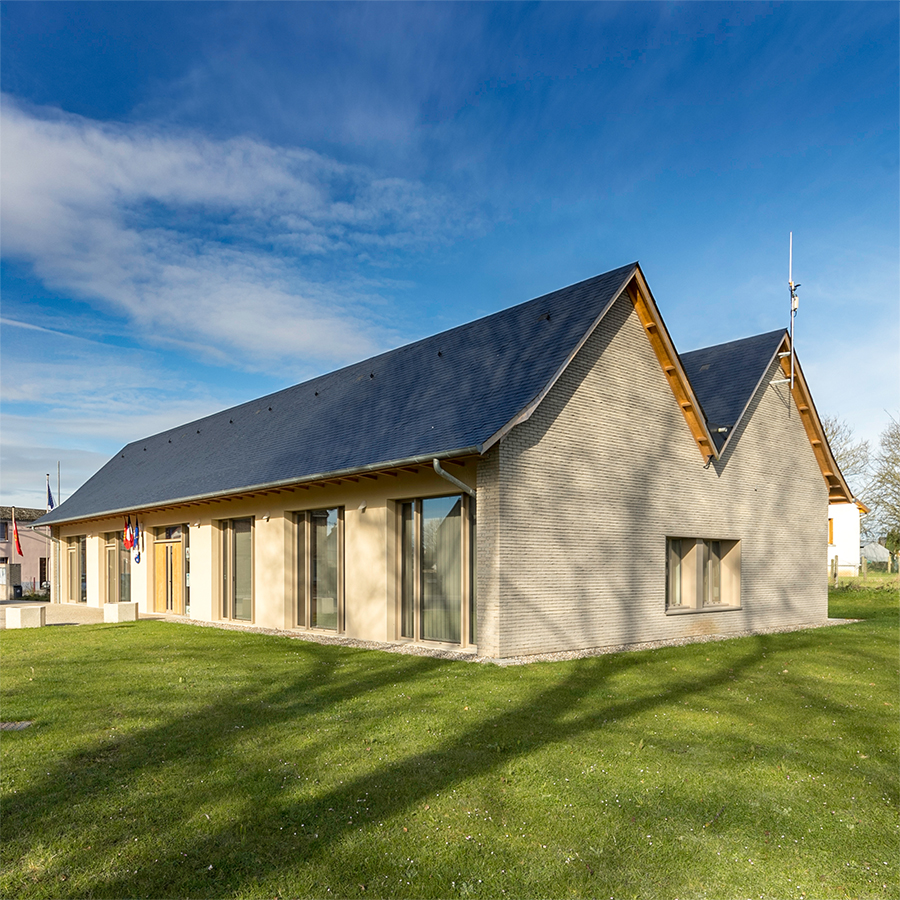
{"points": [[167, 760]]}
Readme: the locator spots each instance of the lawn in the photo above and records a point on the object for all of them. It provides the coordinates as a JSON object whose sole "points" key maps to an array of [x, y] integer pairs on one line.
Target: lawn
{"points": [[167, 760]]}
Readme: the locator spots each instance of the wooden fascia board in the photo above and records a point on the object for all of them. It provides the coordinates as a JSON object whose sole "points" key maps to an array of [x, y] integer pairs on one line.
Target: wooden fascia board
{"points": [[525, 414], [661, 342], [838, 489], [412, 464]]}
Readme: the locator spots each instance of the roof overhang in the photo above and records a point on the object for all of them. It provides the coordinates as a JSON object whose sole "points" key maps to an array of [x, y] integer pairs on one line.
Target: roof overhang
{"points": [[634, 285], [838, 489], [652, 322], [391, 467]]}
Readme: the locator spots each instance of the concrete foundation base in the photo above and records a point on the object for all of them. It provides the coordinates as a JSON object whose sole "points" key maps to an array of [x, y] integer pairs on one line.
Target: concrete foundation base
{"points": [[26, 616], [120, 612]]}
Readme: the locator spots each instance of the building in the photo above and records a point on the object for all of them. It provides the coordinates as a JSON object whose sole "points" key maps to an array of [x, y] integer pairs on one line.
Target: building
{"points": [[843, 536], [34, 565], [551, 477]]}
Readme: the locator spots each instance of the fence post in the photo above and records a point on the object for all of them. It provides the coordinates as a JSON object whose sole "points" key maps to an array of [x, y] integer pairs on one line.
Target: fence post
{"points": [[834, 570], [865, 568]]}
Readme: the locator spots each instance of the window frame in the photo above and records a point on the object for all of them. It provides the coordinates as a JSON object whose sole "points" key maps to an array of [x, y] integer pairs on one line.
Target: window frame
{"points": [[114, 551], [76, 563], [227, 569], [698, 569], [303, 570], [412, 576]]}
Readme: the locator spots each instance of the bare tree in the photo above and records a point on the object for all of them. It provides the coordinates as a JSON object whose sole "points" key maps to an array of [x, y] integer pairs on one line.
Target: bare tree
{"points": [[853, 456], [885, 486]]}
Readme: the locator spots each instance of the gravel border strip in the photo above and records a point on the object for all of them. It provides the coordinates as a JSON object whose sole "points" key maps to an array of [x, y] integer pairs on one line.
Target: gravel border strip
{"points": [[413, 649]]}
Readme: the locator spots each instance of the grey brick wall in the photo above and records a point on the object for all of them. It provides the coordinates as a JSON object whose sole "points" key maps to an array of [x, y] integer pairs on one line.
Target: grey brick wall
{"points": [[488, 555], [576, 503]]}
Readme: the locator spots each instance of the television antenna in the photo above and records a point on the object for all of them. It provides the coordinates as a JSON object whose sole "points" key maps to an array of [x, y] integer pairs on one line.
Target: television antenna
{"points": [[795, 303], [795, 300]]}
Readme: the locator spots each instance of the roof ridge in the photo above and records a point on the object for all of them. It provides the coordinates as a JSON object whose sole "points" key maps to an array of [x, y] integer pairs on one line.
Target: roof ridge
{"points": [[443, 394], [361, 363], [749, 337]]}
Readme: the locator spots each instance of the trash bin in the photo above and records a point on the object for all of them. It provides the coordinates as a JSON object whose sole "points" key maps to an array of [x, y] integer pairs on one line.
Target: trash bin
{"points": [[17, 591]]}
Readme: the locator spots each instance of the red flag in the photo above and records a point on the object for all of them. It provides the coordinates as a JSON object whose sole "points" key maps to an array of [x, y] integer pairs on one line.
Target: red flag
{"points": [[16, 533]]}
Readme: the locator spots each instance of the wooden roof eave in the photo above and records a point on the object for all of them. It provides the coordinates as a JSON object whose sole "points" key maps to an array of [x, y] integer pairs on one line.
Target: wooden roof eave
{"points": [[838, 489], [412, 464], [635, 286], [655, 328]]}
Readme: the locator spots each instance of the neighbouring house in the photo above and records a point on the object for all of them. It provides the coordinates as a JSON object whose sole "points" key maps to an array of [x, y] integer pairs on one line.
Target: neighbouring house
{"points": [[551, 477], [31, 570], [843, 536]]}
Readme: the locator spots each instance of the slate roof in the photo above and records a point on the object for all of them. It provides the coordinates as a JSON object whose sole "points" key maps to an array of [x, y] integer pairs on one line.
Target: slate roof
{"points": [[725, 377], [23, 513], [442, 396]]}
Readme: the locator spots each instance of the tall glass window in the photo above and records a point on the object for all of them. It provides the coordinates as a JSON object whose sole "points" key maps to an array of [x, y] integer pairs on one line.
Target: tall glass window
{"points": [[237, 569], [243, 570], [712, 573], [323, 565], [437, 578], [441, 569], [408, 565], [320, 568], [674, 572], [118, 569], [77, 553]]}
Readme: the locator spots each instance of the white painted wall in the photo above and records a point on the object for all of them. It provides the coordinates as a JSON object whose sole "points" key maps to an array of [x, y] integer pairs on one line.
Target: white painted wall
{"points": [[844, 532]]}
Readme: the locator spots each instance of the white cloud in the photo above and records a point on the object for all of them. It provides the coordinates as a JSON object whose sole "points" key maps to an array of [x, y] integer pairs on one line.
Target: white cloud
{"points": [[208, 242], [80, 404]]}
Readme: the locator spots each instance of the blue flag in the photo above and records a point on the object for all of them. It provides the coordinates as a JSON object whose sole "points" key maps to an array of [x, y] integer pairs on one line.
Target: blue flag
{"points": [[50, 503]]}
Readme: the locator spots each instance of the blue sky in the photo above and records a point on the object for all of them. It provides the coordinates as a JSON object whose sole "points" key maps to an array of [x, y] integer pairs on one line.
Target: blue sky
{"points": [[202, 203]]}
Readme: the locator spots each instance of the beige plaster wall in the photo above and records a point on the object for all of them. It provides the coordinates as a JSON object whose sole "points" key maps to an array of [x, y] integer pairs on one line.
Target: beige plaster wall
{"points": [[370, 594]]}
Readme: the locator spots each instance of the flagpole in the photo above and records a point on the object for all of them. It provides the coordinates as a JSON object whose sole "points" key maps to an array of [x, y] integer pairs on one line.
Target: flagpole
{"points": [[57, 575], [47, 540]]}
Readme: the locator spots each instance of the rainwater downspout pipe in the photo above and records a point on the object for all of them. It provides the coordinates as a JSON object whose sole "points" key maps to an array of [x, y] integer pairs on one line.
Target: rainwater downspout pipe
{"points": [[452, 479]]}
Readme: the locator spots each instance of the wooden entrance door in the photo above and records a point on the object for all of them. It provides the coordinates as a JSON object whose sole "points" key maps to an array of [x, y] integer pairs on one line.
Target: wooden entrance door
{"points": [[169, 563]]}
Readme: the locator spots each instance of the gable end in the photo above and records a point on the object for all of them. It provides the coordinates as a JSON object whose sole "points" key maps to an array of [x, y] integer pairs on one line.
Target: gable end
{"points": [[658, 335]]}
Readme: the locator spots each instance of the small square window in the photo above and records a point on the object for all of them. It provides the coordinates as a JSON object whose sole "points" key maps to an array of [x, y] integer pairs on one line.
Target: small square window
{"points": [[702, 574]]}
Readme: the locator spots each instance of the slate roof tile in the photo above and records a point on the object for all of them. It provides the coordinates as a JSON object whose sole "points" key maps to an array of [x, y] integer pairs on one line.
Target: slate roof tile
{"points": [[725, 376], [448, 392]]}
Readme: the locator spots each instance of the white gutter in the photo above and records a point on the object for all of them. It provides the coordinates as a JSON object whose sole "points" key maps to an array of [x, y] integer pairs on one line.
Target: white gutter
{"points": [[452, 478]]}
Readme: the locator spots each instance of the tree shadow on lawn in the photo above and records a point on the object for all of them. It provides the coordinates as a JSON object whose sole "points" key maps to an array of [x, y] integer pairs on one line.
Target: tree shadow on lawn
{"points": [[232, 857]]}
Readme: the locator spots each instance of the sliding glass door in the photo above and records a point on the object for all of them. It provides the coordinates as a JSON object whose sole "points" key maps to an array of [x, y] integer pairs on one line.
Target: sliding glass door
{"points": [[320, 569], [437, 584], [237, 569]]}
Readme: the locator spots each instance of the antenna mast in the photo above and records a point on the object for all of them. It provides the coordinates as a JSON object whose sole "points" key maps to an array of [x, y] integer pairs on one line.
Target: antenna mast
{"points": [[795, 300]]}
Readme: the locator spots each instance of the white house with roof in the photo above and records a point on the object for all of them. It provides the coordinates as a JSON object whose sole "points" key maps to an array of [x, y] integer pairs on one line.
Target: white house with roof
{"points": [[843, 536], [551, 477]]}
